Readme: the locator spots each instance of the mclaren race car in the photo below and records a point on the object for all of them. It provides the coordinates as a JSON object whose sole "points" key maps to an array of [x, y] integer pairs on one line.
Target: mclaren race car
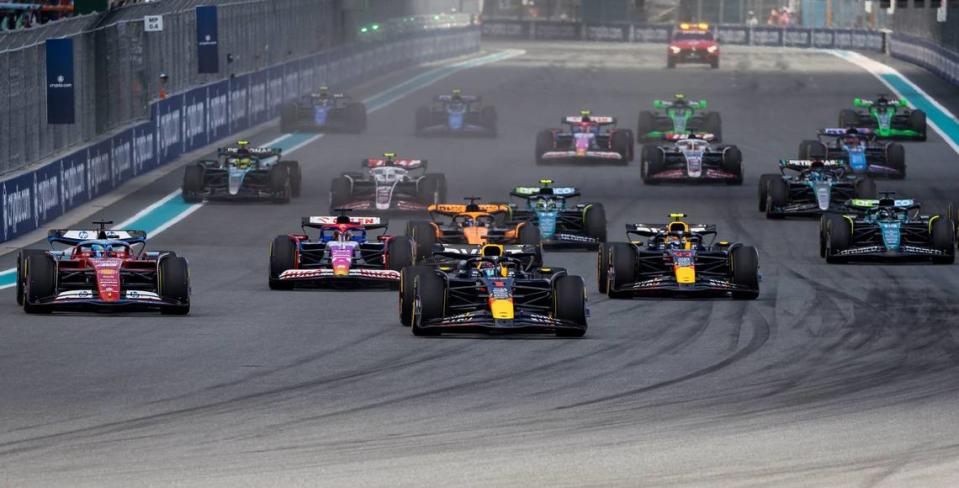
{"points": [[473, 223], [560, 223], [102, 270], [679, 116], [889, 119], [243, 172], [585, 138], [691, 159], [811, 188], [323, 112], [388, 183], [456, 114], [677, 259], [860, 150]]}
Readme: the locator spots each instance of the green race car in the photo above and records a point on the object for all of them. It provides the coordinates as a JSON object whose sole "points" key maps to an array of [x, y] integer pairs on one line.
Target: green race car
{"points": [[679, 116], [888, 119]]}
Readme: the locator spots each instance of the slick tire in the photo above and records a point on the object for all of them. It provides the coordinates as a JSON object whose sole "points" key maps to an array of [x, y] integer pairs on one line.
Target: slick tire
{"points": [[848, 118], [645, 125], [288, 118], [943, 238], [653, 162], [423, 117], [733, 163], [838, 237], [356, 117], [488, 119], [764, 189], [296, 177], [400, 253], [811, 149], [407, 291], [602, 267], [622, 144], [713, 123], [622, 260], [282, 258], [528, 234], [569, 303], [430, 291], [431, 189], [424, 238], [40, 282], [173, 283], [193, 182], [594, 221], [280, 185], [744, 264], [777, 196], [341, 191], [896, 159], [917, 122], [22, 257], [544, 144]]}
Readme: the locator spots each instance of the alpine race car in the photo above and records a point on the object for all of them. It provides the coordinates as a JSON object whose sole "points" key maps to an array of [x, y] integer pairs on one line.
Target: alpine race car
{"points": [[693, 43], [888, 119], [586, 138], [561, 224], [341, 255], [388, 184], [323, 112], [678, 117], [691, 159], [859, 149], [813, 188], [677, 259], [456, 114], [887, 229], [473, 223], [492, 293], [102, 270], [243, 172]]}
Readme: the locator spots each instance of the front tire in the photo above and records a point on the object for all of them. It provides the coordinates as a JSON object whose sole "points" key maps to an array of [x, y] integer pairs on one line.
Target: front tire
{"points": [[431, 294], [744, 261], [424, 238], [173, 284], [282, 258], [594, 221], [407, 294], [40, 282], [622, 259], [569, 303], [193, 183]]}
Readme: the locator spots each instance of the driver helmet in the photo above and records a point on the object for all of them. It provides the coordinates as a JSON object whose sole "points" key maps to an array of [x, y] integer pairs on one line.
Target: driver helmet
{"points": [[680, 99], [882, 101], [674, 240], [101, 250], [468, 222], [545, 204], [389, 158], [585, 116], [324, 92], [851, 136], [457, 95]]}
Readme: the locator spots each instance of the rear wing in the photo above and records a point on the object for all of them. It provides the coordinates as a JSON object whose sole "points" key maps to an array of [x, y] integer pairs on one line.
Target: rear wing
{"points": [[650, 230], [369, 223], [866, 103], [535, 191], [704, 136], [693, 104], [72, 237], [462, 98], [596, 119], [456, 209], [253, 151], [872, 203], [839, 132], [399, 163], [801, 164]]}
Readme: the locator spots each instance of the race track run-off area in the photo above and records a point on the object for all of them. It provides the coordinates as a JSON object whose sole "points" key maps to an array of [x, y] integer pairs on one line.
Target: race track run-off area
{"points": [[838, 375]]}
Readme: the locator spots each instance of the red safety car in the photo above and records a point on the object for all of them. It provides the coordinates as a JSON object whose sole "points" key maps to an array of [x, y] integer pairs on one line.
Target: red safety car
{"points": [[693, 43]]}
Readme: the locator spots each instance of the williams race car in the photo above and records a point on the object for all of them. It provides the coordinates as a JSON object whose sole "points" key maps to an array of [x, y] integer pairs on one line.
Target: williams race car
{"points": [[813, 188], [102, 270], [677, 259], [889, 119], [456, 114], [561, 224], [473, 223], [243, 172], [691, 159], [586, 138], [342, 254], [323, 112], [388, 184], [680, 116], [859, 149]]}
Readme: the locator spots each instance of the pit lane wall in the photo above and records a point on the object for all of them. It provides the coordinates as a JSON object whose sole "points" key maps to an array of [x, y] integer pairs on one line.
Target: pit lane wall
{"points": [[201, 116]]}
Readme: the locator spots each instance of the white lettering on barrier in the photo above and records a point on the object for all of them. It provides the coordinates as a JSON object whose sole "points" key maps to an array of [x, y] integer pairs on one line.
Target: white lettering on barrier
{"points": [[168, 130], [257, 99], [98, 172], [142, 151], [18, 207], [237, 105], [218, 113], [290, 88], [194, 121], [73, 183], [122, 160], [276, 91], [46, 196]]}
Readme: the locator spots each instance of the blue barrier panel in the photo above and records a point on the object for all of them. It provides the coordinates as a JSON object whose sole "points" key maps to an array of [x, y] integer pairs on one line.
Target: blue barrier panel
{"points": [[239, 103], [218, 110], [18, 214], [259, 111], [99, 168], [73, 179], [195, 119], [144, 148], [121, 157], [47, 201]]}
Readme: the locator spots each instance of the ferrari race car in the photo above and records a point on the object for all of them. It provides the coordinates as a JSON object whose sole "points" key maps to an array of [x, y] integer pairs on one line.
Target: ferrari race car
{"points": [[887, 229], [561, 224], [679, 116], [388, 184], [243, 172], [691, 159], [323, 112], [693, 43], [859, 149], [888, 119], [586, 138], [492, 293], [456, 114], [342, 254], [101, 270], [473, 223], [814, 187], [677, 259]]}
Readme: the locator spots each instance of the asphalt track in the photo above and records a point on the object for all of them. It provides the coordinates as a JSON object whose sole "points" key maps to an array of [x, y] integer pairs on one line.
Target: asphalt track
{"points": [[836, 376]]}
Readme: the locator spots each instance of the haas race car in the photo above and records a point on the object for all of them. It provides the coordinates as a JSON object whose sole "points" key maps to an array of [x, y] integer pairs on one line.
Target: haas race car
{"points": [[680, 116], [691, 159], [456, 114], [102, 270], [859, 148], [811, 188], [586, 138], [388, 184], [341, 255], [888, 119], [243, 172], [561, 224], [323, 112], [677, 259]]}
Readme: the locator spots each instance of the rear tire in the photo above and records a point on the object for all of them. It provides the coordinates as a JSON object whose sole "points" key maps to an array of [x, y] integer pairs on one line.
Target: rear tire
{"points": [[431, 189], [296, 176], [173, 283], [400, 253], [40, 282], [917, 122], [341, 192], [713, 124], [282, 258], [810, 149], [653, 161], [488, 118], [529, 234], [744, 261], [733, 163], [622, 144], [594, 221], [430, 290], [423, 117], [602, 268], [896, 159], [280, 184], [424, 238], [194, 177], [288, 118], [622, 259], [569, 303], [646, 124], [764, 189], [356, 117], [838, 238]]}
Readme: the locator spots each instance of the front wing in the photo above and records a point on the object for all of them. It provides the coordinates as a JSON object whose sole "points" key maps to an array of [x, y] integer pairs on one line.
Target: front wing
{"points": [[322, 277], [482, 321], [88, 300], [880, 253], [666, 284], [596, 157]]}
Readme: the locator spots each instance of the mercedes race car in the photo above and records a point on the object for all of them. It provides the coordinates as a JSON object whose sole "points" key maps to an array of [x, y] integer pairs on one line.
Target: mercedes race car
{"points": [[323, 112], [561, 224], [388, 184], [693, 43], [888, 119], [812, 188], [456, 114], [691, 159], [887, 229], [102, 270], [680, 116], [243, 172], [341, 255], [473, 223], [677, 259], [586, 138], [492, 293], [859, 149]]}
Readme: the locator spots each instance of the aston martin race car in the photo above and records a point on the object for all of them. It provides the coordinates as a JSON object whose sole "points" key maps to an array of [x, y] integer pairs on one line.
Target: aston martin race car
{"points": [[101, 270], [811, 188], [473, 223], [677, 259], [889, 119], [323, 112], [243, 172], [388, 184], [859, 149], [887, 229], [691, 159], [456, 114], [679, 116], [341, 255], [560, 223], [585, 138], [492, 293]]}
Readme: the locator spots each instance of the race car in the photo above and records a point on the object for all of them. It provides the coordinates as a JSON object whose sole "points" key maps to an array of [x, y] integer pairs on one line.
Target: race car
{"points": [[473, 223], [560, 224], [888, 119], [388, 183], [342, 254], [693, 43], [691, 159], [456, 114], [677, 259], [858, 148], [887, 229], [443, 253], [680, 116], [323, 112], [243, 172], [101, 270], [812, 188], [586, 138], [492, 293]]}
